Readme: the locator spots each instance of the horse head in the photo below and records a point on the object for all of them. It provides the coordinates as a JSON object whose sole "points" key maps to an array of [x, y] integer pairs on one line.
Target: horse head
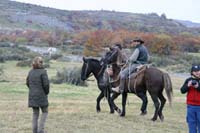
{"points": [[90, 66], [86, 70]]}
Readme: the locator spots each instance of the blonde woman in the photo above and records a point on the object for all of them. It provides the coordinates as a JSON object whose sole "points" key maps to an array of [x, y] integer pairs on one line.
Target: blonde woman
{"points": [[38, 84]]}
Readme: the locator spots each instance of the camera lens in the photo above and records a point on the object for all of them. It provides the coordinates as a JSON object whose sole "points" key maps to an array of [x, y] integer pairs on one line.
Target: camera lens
{"points": [[194, 82]]}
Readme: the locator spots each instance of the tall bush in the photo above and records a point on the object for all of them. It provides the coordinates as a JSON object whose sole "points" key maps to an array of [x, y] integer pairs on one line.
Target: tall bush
{"points": [[163, 45], [69, 75]]}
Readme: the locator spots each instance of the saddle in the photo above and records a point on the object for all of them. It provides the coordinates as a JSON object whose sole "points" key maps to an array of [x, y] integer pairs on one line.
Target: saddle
{"points": [[137, 71], [135, 75]]}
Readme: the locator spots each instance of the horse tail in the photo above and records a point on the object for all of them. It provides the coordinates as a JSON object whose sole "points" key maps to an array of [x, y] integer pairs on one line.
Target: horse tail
{"points": [[168, 87]]}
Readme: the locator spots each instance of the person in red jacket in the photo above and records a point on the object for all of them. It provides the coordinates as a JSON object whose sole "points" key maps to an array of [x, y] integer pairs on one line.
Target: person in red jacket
{"points": [[192, 88]]}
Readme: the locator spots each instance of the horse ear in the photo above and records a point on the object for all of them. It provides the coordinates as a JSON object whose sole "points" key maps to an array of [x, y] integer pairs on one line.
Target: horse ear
{"points": [[84, 59]]}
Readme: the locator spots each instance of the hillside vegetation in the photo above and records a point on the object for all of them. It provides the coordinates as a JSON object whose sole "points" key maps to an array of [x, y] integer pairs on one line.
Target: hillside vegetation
{"points": [[26, 16], [89, 32]]}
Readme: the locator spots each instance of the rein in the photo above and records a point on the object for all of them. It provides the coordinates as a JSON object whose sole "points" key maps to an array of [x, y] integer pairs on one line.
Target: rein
{"points": [[86, 71], [86, 68], [92, 73], [129, 79], [100, 71]]}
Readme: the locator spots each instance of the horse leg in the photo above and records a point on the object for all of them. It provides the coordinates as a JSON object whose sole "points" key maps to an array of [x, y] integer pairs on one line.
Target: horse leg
{"points": [[156, 104], [163, 101], [124, 97], [110, 104], [143, 97], [101, 95], [114, 96]]}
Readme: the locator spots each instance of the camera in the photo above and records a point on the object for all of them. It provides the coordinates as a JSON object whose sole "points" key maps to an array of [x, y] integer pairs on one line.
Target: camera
{"points": [[194, 82]]}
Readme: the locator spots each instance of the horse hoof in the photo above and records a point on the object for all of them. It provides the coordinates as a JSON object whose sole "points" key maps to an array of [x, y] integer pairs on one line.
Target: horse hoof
{"points": [[161, 118], [153, 119], [119, 111], [122, 115], [143, 113], [112, 112], [98, 110]]}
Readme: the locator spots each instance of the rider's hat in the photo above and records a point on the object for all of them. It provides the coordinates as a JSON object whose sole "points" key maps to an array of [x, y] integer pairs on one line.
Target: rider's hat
{"points": [[137, 39]]}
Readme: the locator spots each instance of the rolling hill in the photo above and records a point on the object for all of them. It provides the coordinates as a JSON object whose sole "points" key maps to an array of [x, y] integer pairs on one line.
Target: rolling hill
{"points": [[15, 15]]}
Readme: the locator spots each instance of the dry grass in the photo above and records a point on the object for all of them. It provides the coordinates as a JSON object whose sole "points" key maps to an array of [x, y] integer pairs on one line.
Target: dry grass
{"points": [[72, 108]]}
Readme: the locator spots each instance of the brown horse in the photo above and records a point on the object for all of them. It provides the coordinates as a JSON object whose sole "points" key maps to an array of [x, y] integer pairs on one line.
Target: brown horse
{"points": [[148, 79]]}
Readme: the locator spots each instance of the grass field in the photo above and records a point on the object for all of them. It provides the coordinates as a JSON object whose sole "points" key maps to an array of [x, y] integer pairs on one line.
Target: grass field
{"points": [[72, 108]]}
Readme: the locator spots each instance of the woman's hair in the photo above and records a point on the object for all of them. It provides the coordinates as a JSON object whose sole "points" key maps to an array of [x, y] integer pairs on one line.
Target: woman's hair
{"points": [[37, 62]]}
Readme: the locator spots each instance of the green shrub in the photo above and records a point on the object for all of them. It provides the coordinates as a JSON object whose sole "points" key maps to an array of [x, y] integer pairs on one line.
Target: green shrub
{"points": [[46, 65], [56, 56], [69, 75], [24, 49], [18, 53], [181, 62], [21, 40], [30, 55], [15, 57], [160, 61], [5, 44], [2, 59]]}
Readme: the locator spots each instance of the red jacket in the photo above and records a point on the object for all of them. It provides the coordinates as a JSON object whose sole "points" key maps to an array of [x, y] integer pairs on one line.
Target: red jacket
{"points": [[193, 96]]}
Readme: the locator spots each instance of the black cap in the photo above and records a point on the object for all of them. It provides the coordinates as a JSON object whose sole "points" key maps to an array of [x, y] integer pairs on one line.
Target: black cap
{"points": [[195, 68]]}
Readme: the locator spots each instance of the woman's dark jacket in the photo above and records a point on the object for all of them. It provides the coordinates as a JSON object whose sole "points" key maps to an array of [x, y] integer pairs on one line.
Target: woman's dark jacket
{"points": [[38, 84]]}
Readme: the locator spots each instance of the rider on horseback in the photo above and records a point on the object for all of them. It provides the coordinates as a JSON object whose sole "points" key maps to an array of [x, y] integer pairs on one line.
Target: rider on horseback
{"points": [[114, 49], [140, 56]]}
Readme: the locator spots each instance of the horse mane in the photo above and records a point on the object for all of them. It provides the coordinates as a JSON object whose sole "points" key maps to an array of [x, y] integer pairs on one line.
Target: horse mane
{"points": [[93, 59]]}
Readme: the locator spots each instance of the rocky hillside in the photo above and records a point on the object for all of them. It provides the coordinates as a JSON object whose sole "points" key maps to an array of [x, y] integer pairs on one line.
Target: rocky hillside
{"points": [[15, 15], [189, 23]]}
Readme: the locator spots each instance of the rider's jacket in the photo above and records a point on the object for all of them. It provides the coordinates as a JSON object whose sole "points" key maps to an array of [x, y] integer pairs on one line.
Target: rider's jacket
{"points": [[143, 54], [140, 55]]}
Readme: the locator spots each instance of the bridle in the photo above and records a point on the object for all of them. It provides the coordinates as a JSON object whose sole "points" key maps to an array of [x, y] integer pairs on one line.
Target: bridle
{"points": [[100, 70], [86, 70], [92, 73]]}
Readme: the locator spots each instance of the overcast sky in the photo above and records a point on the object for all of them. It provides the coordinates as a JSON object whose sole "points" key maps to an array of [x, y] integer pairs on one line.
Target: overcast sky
{"points": [[175, 9]]}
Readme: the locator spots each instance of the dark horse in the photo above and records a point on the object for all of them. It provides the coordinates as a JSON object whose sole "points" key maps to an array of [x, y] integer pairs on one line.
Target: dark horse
{"points": [[93, 66], [97, 68], [148, 79]]}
